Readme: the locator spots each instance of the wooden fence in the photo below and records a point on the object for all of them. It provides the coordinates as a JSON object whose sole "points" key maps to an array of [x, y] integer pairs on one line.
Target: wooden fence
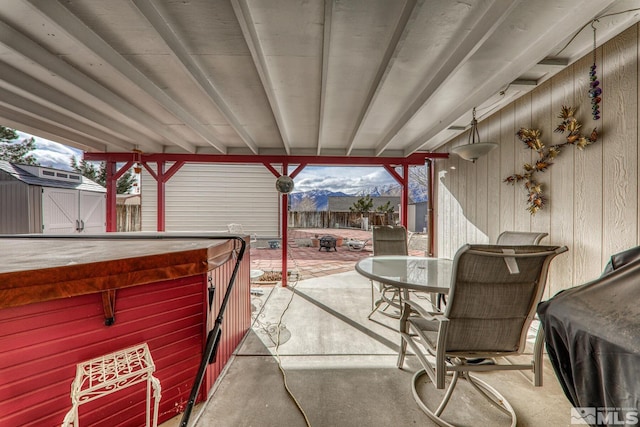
{"points": [[128, 218], [327, 219]]}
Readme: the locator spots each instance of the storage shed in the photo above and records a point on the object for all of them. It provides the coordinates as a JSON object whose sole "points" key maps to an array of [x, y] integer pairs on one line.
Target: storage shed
{"points": [[209, 196], [36, 199]]}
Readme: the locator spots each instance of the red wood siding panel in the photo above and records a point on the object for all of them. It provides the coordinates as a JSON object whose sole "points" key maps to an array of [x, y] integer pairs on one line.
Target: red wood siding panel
{"points": [[42, 343], [237, 320]]}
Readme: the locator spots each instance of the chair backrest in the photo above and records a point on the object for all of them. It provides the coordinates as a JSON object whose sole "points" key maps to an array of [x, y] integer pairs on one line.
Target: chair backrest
{"points": [[389, 240], [493, 296], [520, 238]]}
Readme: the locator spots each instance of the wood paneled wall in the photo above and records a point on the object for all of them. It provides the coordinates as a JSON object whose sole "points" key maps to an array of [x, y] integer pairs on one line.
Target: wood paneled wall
{"points": [[42, 343], [592, 195]]}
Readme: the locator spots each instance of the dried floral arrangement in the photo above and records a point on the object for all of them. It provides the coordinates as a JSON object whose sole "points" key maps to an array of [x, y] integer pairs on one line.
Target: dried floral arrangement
{"points": [[531, 139]]}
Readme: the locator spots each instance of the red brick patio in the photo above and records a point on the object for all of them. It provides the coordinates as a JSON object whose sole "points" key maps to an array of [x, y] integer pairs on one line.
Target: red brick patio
{"points": [[309, 261]]}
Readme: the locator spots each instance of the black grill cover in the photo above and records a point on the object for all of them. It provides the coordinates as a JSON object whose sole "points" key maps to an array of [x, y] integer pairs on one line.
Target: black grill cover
{"points": [[592, 334]]}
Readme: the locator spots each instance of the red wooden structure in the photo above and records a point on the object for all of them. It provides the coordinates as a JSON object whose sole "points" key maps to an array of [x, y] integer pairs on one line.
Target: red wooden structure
{"points": [[161, 177], [42, 341]]}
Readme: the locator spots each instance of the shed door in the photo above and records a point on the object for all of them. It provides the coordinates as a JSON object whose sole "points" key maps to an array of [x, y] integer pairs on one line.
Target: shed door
{"points": [[60, 208], [93, 209]]}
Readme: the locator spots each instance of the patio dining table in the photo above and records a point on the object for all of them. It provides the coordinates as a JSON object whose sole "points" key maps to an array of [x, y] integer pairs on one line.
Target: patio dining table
{"points": [[430, 275]]}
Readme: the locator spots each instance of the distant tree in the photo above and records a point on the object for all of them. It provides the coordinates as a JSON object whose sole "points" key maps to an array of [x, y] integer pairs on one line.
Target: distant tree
{"points": [[387, 208], [362, 205], [16, 152], [386, 211], [125, 183], [99, 174], [85, 168], [306, 204]]}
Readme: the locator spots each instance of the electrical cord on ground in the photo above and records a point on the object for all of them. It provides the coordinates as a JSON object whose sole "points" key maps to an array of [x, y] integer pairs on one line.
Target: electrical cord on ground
{"points": [[278, 327], [279, 361]]}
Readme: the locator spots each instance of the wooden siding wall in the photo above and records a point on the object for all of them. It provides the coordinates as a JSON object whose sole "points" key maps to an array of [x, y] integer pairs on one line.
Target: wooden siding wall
{"points": [[592, 194], [42, 343], [207, 197]]}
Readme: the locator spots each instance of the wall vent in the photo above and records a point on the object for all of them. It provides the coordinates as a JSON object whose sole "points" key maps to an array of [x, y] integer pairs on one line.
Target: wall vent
{"points": [[53, 174]]}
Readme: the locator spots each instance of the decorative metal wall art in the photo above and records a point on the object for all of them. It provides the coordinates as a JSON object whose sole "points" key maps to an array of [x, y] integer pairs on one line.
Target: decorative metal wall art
{"points": [[531, 138]]}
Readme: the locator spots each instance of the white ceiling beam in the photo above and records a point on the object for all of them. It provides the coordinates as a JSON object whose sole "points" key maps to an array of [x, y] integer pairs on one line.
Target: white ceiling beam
{"points": [[112, 132], [553, 64], [483, 92], [48, 114], [250, 34], [482, 29], [408, 15], [326, 44], [523, 84], [174, 41], [31, 123], [76, 29]]}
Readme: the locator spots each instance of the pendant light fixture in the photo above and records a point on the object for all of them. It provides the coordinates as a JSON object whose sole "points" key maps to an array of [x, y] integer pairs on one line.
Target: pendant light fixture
{"points": [[474, 150]]}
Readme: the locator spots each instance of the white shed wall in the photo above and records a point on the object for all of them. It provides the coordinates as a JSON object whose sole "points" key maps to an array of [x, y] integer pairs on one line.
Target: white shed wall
{"points": [[14, 205], [207, 197]]}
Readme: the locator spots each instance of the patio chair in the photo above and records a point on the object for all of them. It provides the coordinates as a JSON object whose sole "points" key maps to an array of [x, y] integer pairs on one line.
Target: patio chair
{"points": [[388, 240], [239, 229], [492, 300], [520, 238], [515, 238], [357, 245]]}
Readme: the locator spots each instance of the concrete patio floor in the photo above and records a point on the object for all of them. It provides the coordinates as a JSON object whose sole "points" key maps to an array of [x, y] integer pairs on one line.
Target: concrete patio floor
{"points": [[341, 367]]}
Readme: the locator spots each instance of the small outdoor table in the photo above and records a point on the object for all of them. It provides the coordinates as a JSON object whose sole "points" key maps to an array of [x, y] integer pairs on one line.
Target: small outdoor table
{"points": [[430, 275]]}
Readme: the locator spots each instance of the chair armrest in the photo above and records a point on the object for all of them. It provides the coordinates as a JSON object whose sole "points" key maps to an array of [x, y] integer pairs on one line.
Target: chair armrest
{"points": [[429, 315]]}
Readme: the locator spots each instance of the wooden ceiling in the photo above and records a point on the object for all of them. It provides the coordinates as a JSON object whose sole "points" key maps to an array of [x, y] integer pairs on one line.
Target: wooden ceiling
{"points": [[280, 77]]}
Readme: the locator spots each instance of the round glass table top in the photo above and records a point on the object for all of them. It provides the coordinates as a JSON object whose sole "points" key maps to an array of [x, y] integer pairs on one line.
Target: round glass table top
{"points": [[409, 272]]}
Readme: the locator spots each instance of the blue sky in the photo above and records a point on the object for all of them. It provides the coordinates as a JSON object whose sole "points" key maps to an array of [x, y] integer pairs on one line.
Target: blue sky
{"points": [[348, 179]]}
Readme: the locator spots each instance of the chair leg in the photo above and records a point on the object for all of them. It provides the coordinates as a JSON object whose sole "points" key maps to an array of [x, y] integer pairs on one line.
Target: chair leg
{"points": [[434, 415], [402, 353], [488, 392], [404, 329], [538, 364], [385, 299], [373, 306]]}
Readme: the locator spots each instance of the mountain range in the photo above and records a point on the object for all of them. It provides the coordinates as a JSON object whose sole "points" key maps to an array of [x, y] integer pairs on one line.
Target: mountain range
{"points": [[320, 198]]}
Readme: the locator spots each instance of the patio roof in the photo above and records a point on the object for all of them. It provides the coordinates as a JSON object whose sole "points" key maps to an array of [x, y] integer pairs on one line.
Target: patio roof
{"points": [[354, 78]]}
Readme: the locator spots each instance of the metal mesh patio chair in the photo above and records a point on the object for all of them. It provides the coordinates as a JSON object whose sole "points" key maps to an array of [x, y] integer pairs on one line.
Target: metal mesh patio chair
{"points": [[239, 229], [388, 240], [520, 238], [357, 245], [492, 300]]}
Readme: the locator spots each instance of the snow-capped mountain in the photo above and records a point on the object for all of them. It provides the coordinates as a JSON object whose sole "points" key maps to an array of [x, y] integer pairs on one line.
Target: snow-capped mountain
{"points": [[317, 200], [417, 192]]}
